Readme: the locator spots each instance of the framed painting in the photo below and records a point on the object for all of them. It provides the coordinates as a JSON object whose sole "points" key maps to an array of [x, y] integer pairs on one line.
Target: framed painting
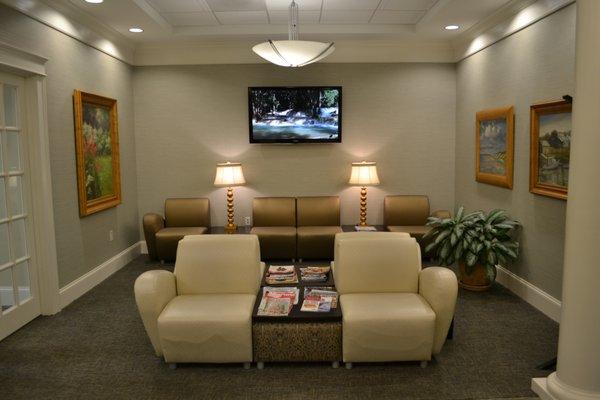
{"points": [[494, 137], [97, 152], [550, 149]]}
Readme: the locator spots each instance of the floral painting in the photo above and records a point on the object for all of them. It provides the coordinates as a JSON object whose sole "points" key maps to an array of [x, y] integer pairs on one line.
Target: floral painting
{"points": [[96, 137], [494, 146], [550, 149]]}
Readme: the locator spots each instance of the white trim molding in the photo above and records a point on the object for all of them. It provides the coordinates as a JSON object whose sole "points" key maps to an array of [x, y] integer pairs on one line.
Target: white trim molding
{"points": [[483, 35], [533, 295], [85, 283], [22, 60]]}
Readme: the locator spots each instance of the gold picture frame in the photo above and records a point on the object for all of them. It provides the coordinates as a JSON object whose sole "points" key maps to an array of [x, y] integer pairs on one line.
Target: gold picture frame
{"points": [[97, 152], [550, 148], [494, 146]]}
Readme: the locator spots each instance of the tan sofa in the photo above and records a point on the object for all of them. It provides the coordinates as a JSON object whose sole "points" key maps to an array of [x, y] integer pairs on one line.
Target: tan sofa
{"points": [[202, 311], [392, 309], [318, 221], [409, 213], [274, 220], [182, 217]]}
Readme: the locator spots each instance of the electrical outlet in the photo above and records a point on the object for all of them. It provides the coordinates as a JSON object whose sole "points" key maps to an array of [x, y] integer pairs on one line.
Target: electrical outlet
{"points": [[111, 236], [247, 221]]}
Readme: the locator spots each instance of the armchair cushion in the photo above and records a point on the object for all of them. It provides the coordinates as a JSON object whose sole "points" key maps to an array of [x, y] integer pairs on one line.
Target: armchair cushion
{"points": [[405, 210], [276, 242], [187, 212], [376, 262], [167, 240], [213, 328], [152, 224], [386, 327], [318, 211], [274, 211], [210, 264], [316, 242]]}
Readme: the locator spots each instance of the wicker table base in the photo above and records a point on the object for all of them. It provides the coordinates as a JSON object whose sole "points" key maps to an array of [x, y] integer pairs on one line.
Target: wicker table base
{"points": [[297, 341]]}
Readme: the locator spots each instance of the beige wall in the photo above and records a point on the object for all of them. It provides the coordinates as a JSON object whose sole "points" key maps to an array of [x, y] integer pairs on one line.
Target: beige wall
{"points": [[82, 244], [533, 65], [190, 118]]}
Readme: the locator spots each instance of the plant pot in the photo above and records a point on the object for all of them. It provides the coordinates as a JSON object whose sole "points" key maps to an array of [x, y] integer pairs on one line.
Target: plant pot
{"points": [[477, 281]]}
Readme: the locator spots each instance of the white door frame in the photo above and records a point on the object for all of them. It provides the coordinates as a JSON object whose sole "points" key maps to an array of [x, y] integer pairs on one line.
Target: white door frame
{"points": [[32, 67]]}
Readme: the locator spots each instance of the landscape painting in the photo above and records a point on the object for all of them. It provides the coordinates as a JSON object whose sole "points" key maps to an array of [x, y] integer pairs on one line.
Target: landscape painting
{"points": [[97, 146], [494, 146], [550, 149], [295, 114]]}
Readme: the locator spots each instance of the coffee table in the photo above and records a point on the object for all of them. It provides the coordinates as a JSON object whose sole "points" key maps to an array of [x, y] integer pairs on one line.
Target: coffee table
{"points": [[300, 336]]}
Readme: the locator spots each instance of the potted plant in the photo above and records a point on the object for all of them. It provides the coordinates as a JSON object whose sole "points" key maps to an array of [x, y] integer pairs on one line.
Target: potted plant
{"points": [[477, 241]]}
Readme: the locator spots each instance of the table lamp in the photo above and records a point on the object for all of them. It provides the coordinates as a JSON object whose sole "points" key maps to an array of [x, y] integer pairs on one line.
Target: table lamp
{"points": [[364, 174], [229, 174]]}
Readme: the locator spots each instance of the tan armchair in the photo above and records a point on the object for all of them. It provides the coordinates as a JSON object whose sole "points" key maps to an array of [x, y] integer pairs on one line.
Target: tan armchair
{"points": [[274, 220], [409, 214], [202, 311], [182, 217], [392, 309], [318, 223]]}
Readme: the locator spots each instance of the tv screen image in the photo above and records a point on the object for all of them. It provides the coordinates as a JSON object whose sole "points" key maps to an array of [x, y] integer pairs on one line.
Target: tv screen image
{"points": [[295, 114]]}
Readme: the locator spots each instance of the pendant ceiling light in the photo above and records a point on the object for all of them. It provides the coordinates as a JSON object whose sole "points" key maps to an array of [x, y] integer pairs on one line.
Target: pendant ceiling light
{"points": [[293, 52]]}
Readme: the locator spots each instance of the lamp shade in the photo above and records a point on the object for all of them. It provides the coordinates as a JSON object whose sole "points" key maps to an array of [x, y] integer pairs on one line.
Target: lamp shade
{"points": [[364, 174], [293, 53], [229, 174]]}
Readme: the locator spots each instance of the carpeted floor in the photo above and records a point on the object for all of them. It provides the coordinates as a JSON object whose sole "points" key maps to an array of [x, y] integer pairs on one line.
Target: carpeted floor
{"points": [[97, 348]]}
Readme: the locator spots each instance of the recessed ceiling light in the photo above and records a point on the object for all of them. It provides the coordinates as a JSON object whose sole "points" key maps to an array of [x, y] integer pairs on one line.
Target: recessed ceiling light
{"points": [[136, 30], [94, 1], [451, 27]]}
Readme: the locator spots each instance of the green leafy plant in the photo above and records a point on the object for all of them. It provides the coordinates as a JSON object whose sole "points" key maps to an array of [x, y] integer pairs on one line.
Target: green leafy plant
{"points": [[488, 239]]}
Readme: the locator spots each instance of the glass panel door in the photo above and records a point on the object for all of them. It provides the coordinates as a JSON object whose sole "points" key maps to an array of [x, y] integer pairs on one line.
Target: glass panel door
{"points": [[18, 297]]}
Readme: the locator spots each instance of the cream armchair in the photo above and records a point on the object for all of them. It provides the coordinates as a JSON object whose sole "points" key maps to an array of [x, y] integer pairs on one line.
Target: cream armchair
{"points": [[392, 309], [202, 312]]}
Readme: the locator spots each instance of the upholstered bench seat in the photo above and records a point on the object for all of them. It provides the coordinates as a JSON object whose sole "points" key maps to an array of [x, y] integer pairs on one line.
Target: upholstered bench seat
{"points": [[416, 231], [387, 327], [316, 242], [209, 327], [276, 242], [168, 238]]}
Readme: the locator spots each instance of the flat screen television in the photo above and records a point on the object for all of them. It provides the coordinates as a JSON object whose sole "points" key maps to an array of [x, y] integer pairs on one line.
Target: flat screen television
{"points": [[307, 114]]}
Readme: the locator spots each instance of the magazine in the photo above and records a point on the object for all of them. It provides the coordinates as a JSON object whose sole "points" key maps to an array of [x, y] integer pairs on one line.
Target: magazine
{"points": [[316, 304], [283, 289], [314, 274], [323, 292], [276, 304], [281, 274], [359, 228]]}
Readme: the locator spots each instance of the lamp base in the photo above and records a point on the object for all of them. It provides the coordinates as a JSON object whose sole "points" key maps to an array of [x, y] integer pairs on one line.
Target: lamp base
{"points": [[230, 228]]}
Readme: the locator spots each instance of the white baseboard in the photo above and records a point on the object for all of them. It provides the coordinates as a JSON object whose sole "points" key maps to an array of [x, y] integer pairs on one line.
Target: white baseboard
{"points": [[143, 247], [85, 283], [535, 296]]}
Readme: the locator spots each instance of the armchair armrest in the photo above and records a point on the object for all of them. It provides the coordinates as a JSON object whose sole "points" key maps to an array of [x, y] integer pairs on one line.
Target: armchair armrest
{"points": [[441, 214], [152, 224], [153, 290], [438, 285]]}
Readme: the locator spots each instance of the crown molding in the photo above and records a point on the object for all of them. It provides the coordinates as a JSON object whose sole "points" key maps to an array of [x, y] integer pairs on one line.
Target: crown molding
{"points": [[64, 17], [509, 20]]}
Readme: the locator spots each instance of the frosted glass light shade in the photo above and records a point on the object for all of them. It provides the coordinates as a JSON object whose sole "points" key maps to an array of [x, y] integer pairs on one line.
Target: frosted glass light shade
{"points": [[229, 174], [293, 53], [364, 174]]}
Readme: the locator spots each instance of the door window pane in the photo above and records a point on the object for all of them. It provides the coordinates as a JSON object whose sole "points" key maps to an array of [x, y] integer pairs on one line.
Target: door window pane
{"points": [[7, 296], [15, 196], [1, 156], [3, 213], [13, 151], [10, 105], [21, 273], [18, 239], [4, 256]]}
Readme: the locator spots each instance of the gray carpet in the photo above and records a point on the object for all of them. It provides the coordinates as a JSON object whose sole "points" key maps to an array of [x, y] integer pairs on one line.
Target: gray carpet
{"points": [[96, 348]]}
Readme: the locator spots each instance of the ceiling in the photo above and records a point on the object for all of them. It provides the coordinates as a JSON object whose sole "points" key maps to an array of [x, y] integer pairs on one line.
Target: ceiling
{"points": [[256, 20]]}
